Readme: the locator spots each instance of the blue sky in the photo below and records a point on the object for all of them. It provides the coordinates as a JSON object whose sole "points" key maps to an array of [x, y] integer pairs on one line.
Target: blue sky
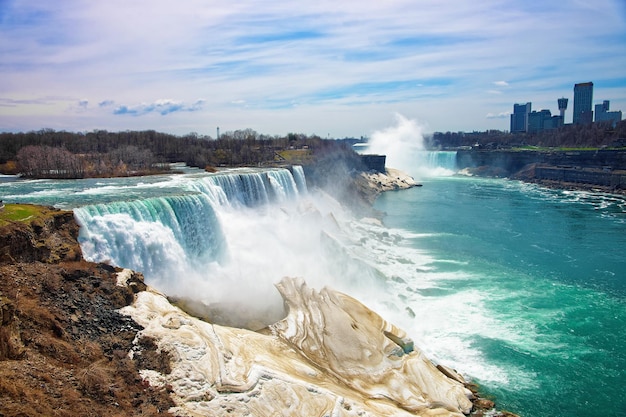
{"points": [[332, 68]]}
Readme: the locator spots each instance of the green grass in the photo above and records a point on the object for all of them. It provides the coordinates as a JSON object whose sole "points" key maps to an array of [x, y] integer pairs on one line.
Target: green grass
{"points": [[558, 149], [21, 213], [296, 155]]}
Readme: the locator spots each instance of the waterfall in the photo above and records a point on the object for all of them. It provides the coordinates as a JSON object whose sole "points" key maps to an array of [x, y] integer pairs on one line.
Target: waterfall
{"points": [[222, 239], [298, 176], [249, 189], [173, 236], [155, 235], [441, 162]]}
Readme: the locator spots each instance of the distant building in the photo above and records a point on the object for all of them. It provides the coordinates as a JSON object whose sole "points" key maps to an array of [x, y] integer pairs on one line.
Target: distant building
{"points": [[543, 120], [604, 115], [562, 107], [583, 98], [554, 122], [519, 118]]}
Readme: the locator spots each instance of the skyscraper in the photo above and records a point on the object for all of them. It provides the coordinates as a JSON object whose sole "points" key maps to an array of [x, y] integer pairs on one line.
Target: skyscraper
{"points": [[562, 107], [583, 98], [519, 118]]}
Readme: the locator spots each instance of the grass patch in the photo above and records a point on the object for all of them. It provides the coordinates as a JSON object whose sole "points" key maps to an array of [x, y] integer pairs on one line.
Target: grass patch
{"points": [[557, 149], [296, 155], [21, 213]]}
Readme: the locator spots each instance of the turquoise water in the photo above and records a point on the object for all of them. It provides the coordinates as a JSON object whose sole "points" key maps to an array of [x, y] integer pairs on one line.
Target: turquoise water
{"points": [[544, 274]]}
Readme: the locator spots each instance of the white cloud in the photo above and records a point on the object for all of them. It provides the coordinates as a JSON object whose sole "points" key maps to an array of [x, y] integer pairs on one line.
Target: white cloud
{"points": [[501, 115], [161, 106]]}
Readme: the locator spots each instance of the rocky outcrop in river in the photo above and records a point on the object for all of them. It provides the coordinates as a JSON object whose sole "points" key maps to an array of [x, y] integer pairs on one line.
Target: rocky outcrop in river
{"points": [[331, 355]]}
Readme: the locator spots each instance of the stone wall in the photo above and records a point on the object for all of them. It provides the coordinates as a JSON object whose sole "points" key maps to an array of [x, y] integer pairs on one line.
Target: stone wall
{"points": [[611, 179]]}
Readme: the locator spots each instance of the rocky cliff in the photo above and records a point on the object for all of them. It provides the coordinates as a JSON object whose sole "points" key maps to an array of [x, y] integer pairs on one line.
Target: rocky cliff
{"points": [[63, 344], [582, 169]]}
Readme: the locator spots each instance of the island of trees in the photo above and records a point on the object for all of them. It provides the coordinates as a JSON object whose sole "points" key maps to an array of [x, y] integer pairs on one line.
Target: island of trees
{"points": [[59, 154]]}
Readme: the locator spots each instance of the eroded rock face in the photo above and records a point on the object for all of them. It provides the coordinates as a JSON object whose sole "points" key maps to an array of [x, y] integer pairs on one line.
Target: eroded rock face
{"points": [[11, 346], [49, 240], [329, 356], [362, 350]]}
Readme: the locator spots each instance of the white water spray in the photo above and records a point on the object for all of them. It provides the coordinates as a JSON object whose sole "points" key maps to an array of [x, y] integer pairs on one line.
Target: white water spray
{"points": [[405, 147]]}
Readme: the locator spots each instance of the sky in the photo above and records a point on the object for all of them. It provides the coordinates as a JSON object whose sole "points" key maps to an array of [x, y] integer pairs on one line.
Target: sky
{"points": [[331, 68]]}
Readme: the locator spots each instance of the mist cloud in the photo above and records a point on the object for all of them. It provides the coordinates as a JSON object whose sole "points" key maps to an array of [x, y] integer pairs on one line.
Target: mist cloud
{"points": [[399, 142]]}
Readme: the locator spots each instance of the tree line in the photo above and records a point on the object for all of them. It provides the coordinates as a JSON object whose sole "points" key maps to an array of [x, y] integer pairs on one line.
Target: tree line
{"points": [[596, 135], [61, 154], [99, 153]]}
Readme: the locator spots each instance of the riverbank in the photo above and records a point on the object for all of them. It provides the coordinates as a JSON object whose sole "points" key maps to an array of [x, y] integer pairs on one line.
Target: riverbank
{"points": [[574, 178], [586, 170]]}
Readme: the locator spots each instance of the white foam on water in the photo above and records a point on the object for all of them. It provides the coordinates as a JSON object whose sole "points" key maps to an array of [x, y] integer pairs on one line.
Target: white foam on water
{"points": [[443, 321]]}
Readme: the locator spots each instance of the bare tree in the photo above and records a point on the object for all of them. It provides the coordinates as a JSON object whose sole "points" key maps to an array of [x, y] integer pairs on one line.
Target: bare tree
{"points": [[49, 162]]}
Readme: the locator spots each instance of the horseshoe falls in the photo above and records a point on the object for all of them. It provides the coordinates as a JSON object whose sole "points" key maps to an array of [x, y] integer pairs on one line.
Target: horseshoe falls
{"points": [[518, 287]]}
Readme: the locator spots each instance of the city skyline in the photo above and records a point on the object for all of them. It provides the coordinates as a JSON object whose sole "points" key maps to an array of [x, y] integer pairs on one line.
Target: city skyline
{"points": [[525, 119], [330, 68]]}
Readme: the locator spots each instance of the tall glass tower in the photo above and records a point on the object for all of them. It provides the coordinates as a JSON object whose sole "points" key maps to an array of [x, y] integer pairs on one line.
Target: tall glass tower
{"points": [[583, 99], [519, 118]]}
